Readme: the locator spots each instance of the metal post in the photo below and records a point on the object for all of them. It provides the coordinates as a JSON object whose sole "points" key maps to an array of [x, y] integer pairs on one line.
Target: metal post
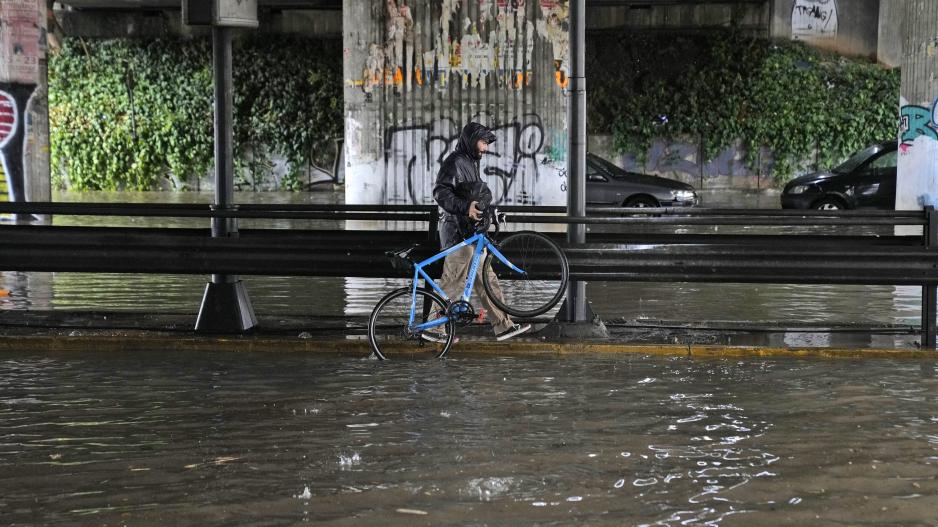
{"points": [[576, 161], [224, 189], [226, 307], [930, 292]]}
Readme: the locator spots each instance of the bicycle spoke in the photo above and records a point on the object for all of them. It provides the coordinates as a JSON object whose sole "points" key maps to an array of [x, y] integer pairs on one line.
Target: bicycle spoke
{"points": [[389, 331], [540, 287]]}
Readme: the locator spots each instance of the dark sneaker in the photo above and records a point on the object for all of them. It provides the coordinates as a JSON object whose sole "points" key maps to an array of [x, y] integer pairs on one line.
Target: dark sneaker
{"points": [[436, 336], [513, 331]]}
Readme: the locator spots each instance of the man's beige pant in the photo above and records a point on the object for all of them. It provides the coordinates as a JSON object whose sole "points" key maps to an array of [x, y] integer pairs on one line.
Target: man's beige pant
{"points": [[456, 268]]}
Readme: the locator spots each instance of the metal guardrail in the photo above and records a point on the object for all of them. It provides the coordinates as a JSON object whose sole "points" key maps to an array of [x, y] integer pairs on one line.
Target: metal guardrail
{"points": [[622, 256]]}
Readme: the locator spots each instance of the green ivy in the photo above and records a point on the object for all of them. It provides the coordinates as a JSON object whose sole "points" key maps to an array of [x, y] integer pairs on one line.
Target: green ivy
{"points": [[716, 89], [713, 88], [126, 114]]}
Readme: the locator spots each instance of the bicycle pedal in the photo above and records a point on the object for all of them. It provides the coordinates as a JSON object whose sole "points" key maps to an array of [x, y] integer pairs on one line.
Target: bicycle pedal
{"points": [[481, 318]]}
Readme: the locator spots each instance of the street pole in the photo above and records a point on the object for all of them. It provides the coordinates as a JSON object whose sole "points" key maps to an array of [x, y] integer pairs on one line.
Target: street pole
{"points": [[226, 307], [224, 191], [576, 306]]}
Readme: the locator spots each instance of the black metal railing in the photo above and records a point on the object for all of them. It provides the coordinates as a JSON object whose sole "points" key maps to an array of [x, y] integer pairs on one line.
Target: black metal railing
{"points": [[627, 254]]}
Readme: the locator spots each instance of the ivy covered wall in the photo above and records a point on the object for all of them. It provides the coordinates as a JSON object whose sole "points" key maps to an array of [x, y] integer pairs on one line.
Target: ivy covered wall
{"points": [[137, 115], [129, 114], [711, 104]]}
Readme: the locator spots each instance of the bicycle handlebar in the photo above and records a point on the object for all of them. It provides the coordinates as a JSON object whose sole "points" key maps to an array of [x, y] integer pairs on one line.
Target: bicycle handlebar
{"points": [[490, 217]]}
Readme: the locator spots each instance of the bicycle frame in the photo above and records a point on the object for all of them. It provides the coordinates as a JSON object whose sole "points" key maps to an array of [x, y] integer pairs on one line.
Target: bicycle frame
{"points": [[481, 242]]}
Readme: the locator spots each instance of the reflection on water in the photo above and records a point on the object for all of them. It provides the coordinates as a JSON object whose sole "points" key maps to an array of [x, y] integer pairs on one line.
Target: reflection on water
{"points": [[263, 439], [271, 295]]}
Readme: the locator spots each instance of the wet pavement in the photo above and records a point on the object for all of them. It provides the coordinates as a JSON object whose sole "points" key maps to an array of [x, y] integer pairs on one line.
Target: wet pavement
{"points": [[147, 332]]}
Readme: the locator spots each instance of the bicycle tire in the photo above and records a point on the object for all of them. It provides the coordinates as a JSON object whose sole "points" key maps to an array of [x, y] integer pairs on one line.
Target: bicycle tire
{"points": [[545, 281], [388, 333]]}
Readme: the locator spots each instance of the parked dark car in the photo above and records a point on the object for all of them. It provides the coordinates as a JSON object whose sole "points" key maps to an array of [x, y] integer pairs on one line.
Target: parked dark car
{"points": [[866, 180], [607, 184]]}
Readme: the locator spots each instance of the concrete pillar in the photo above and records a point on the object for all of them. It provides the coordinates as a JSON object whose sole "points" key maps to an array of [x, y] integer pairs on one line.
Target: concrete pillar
{"points": [[416, 71], [889, 42], [917, 177], [848, 27], [917, 181], [24, 108]]}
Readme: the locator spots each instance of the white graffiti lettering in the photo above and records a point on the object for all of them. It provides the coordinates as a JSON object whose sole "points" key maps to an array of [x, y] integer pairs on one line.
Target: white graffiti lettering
{"points": [[413, 155]]}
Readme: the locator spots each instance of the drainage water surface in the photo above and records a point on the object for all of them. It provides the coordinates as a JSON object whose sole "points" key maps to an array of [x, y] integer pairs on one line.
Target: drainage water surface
{"points": [[274, 439]]}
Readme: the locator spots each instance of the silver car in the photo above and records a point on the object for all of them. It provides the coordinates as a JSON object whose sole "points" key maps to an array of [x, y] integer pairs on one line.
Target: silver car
{"points": [[607, 184]]}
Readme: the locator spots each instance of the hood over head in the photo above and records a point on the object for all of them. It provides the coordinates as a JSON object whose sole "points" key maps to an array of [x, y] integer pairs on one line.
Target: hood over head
{"points": [[471, 133]]}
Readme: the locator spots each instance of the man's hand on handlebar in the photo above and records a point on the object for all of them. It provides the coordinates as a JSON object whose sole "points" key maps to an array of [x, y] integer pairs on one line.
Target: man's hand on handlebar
{"points": [[474, 211]]}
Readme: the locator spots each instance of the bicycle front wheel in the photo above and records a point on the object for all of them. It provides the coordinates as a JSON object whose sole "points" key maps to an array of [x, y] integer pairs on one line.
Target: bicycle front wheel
{"points": [[539, 287], [391, 335]]}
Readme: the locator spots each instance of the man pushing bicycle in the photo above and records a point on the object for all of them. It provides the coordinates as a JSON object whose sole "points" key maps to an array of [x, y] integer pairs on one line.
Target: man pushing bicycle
{"points": [[463, 196]]}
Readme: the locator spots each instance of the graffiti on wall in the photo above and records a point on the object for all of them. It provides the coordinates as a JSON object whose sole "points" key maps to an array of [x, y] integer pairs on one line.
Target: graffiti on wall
{"points": [[916, 121], [494, 50], [4, 186], [22, 46], [13, 101], [511, 167], [684, 159], [814, 19], [8, 124], [918, 151]]}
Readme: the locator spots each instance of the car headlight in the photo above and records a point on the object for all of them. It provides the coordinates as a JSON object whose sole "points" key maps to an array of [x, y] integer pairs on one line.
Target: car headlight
{"points": [[798, 189], [683, 195]]}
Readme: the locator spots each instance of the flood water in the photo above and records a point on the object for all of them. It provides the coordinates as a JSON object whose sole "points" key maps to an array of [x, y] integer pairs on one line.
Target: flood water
{"points": [[276, 439], [897, 309]]}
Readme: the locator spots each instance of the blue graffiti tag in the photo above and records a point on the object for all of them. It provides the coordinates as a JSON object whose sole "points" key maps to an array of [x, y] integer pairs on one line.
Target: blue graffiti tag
{"points": [[916, 121]]}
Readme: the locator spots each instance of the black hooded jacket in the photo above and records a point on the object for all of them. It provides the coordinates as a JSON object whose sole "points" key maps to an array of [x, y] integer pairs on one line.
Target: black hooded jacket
{"points": [[459, 184]]}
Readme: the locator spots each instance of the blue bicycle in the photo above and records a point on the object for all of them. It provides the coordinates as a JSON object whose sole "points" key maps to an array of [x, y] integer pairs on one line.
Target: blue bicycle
{"points": [[527, 268]]}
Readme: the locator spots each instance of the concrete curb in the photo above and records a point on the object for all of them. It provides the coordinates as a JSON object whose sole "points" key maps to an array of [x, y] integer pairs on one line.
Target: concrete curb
{"points": [[359, 346]]}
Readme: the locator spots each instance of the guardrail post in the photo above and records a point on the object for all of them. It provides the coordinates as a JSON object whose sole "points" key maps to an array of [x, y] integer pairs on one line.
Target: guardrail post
{"points": [[930, 291], [433, 238], [433, 226]]}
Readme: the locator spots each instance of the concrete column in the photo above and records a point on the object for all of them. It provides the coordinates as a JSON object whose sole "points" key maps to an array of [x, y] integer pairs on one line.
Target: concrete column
{"points": [[36, 156], [917, 181], [889, 41], [24, 108], [917, 177], [848, 27]]}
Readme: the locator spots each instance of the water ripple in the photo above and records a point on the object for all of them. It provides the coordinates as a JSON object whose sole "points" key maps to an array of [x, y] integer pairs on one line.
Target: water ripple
{"points": [[182, 438]]}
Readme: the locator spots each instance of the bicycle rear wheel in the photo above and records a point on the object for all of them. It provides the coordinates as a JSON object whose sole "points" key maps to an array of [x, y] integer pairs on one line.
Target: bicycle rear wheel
{"points": [[389, 333], [543, 282]]}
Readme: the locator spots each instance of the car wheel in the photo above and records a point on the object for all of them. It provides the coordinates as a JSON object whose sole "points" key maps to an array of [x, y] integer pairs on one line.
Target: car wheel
{"points": [[830, 204], [641, 202]]}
